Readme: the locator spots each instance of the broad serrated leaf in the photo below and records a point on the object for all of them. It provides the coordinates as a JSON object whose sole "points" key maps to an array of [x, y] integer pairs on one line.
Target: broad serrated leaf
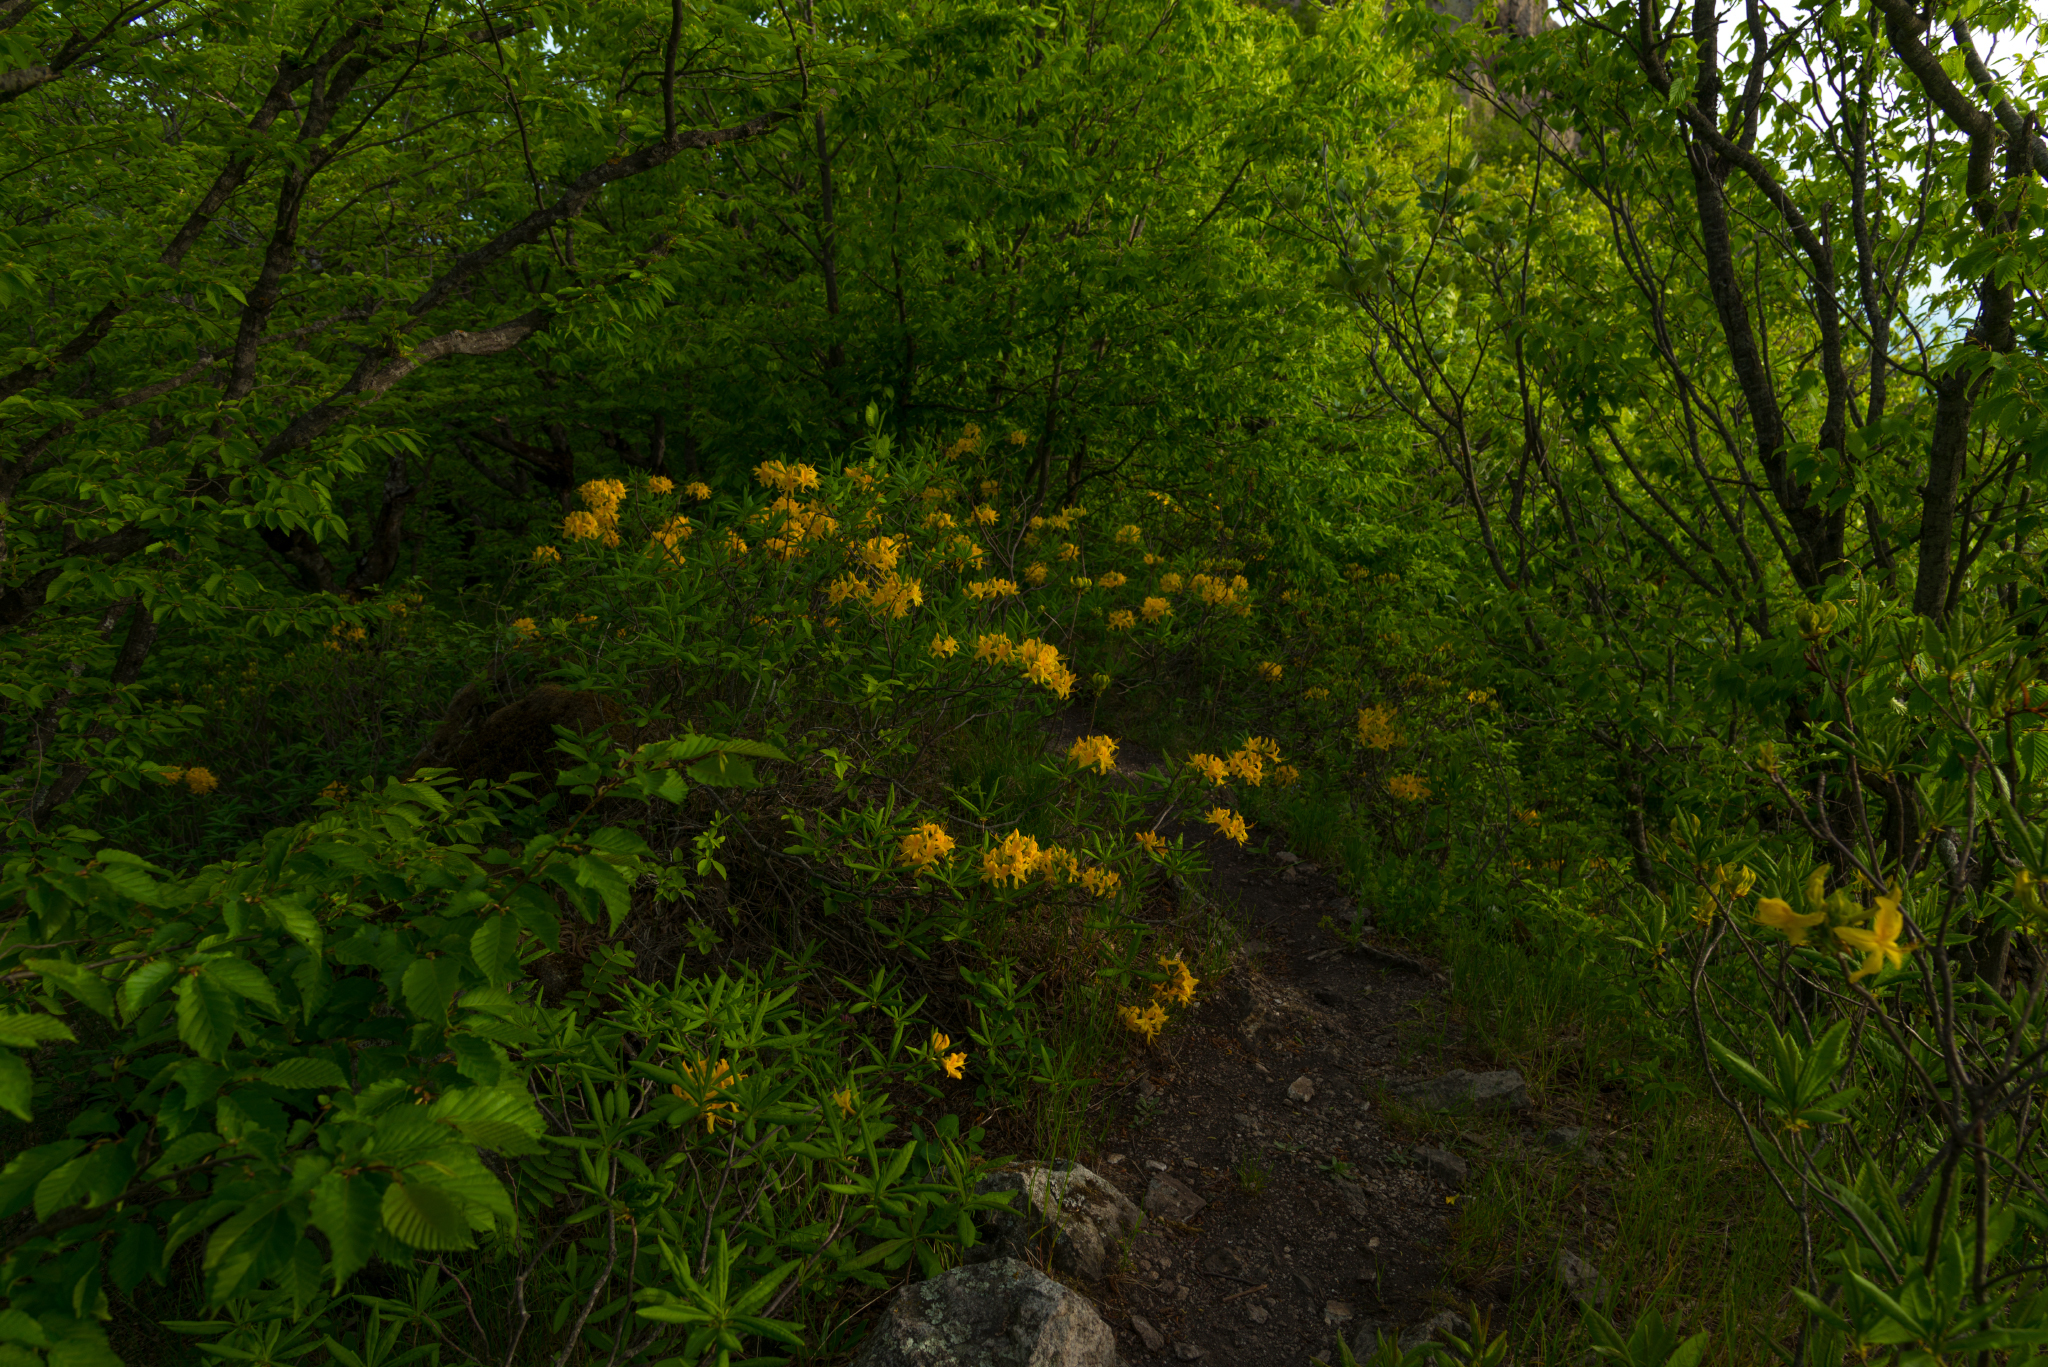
{"points": [[495, 947], [139, 1253], [306, 1074], [243, 979], [429, 985], [347, 1211], [421, 1217], [17, 1087], [503, 1119], [28, 1031], [207, 1013]]}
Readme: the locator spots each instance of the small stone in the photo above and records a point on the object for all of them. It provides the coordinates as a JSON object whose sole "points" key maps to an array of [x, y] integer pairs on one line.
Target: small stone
{"points": [[1257, 1314], [1147, 1087], [1580, 1279], [1446, 1167], [1336, 1312], [1354, 1200], [1154, 1340], [1186, 1352], [1155, 1165], [1169, 1199], [1288, 857], [1301, 1090], [1565, 1138], [1116, 1158]]}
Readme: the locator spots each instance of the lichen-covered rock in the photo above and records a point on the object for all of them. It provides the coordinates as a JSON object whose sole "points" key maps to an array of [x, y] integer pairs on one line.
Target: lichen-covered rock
{"points": [[1464, 1093], [1065, 1214], [993, 1314]]}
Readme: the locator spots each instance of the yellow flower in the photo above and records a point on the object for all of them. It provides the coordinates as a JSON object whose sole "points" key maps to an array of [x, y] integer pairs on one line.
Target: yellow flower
{"points": [[988, 488], [1879, 944], [200, 780], [1112, 580], [1129, 534], [1169, 583], [882, 552], [896, 596], [1069, 551], [994, 646], [661, 484], [1228, 823], [1155, 608], [1017, 437], [582, 526], [1013, 861], [926, 846], [1376, 728], [991, 588], [1269, 671], [1249, 765], [944, 646], [336, 791], [1286, 775], [1154, 843], [1148, 1022], [1408, 787], [698, 490], [1122, 620], [525, 626], [956, 1065], [787, 478], [1480, 697], [941, 1042], [1100, 881], [734, 542], [545, 555], [1775, 913], [1210, 768], [939, 520], [1099, 751], [1035, 573], [1041, 661], [985, 515], [1182, 988], [702, 1083], [844, 1100]]}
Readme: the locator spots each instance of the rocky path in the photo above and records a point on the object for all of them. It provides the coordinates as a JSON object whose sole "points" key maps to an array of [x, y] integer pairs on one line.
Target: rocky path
{"points": [[1282, 1210]]}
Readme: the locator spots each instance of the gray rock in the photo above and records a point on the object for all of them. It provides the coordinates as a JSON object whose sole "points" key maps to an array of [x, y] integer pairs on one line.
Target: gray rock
{"points": [[1565, 1139], [1434, 1328], [1186, 1352], [1354, 1200], [1445, 1166], [1084, 1218], [1170, 1199], [995, 1314], [1256, 1314], [1580, 1279], [1301, 1090], [1154, 1340], [1462, 1092]]}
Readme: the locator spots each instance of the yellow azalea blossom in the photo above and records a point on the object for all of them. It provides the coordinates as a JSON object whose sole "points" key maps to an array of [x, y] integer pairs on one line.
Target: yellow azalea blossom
{"points": [[1151, 559], [1315, 694], [1376, 728], [1017, 437], [1034, 574], [1169, 583], [844, 1100], [1129, 534], [991, 588], [661, 484], [1182, 988], [582, 526], [844, 587], [994, 646], [1155, 608], [1286, 775], [939, 520], [1249, 765], [1013, 861], [1229, 823], [1041, 661], [1112, 580], [988, 488], [1153, 843], [882, 552], [956, 1065], [546, 555], [703, 1081], [1269, 671], [944, 646], [1774, 913], [1098, 751], [1100, 881], [985, 515], [1082, 583], [1879, 945], [1210, 768], [734, 542], [698, 490], [941, 1042], [896, 596], [926, 846], [787, 478], [1408, 787], [1148, 1022], [1122, 620], [525, 626], [1069, 551]]}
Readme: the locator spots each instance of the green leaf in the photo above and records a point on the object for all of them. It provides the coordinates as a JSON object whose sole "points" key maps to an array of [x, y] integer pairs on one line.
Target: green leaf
{"points": [[207, 1014], [306, 1074], [424, 1218], [28, 1031], [138, 1254], [429, 986], [17, 1087], [503, 1119], [78, 981], [346, 1210], [495, 947], [243, 979]]}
